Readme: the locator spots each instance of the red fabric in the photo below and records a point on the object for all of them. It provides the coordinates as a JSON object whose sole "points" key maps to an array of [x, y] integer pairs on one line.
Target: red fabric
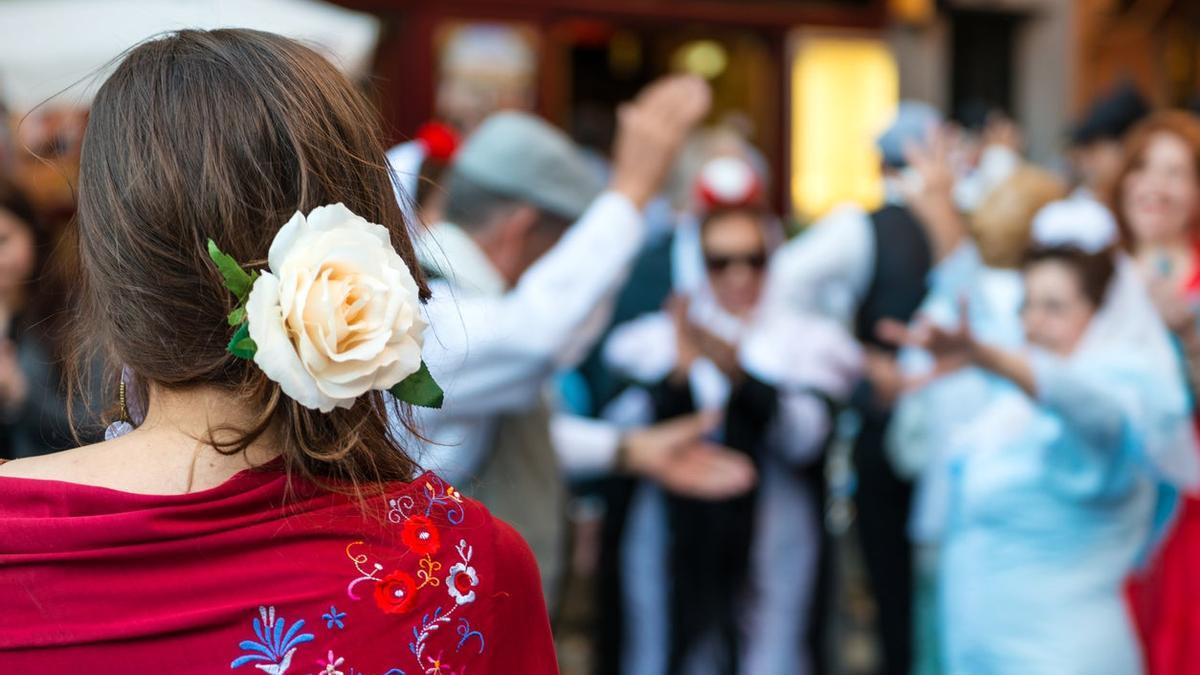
{"points": [[247, 577], [1165, 598]]}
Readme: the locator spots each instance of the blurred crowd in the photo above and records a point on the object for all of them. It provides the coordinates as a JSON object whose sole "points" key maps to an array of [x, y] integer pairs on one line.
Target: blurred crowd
{"points": [[987, 382]]}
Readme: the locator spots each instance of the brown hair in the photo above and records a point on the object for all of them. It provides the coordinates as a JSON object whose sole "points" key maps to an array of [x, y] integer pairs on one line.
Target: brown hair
{"points": [[1178, 123], [225, 134], [1095, 271]]}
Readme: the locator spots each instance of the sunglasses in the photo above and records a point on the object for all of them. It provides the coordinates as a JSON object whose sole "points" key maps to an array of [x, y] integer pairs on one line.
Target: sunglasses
{"points": [[719, 263]]}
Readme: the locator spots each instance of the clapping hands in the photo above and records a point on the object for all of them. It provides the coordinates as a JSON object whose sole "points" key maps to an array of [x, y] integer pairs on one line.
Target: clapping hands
{"points": [[676, 455]]}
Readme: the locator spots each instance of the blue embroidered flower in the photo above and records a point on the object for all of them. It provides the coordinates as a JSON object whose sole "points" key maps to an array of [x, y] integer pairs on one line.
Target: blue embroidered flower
{"points": [[465, 632], [275, 646], [334, 618]]}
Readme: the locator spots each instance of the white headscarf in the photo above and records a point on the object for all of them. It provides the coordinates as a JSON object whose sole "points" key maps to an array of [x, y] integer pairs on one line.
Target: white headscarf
{"points": [[789, 350], [1128, 323]]}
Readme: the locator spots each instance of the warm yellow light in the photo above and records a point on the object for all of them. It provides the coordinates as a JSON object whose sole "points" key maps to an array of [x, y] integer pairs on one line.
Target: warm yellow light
{"points": [[914, 12], [706, 58], [844, 91]]}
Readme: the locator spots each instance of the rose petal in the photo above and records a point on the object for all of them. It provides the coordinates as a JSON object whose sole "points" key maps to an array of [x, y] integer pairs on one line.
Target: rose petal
{"points": [[338, 217], [407, 354], [284, 241], [276, 355]]}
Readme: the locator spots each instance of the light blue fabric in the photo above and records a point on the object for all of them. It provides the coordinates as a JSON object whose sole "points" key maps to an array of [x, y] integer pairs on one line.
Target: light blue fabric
{"points": [[927, 629], [1042, 507], [1051, 502], [923, 422]]}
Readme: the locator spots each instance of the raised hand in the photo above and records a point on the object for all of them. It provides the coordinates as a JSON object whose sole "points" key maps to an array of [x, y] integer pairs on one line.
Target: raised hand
{"points": [[722, 354], [650, 131], [952, 348], [686, 349], [932, 163], [929, 192]]}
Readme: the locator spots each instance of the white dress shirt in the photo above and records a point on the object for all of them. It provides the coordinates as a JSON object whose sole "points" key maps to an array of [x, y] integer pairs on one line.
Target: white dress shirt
{"points": [[405, 161], [493, 349], [827, 269]]}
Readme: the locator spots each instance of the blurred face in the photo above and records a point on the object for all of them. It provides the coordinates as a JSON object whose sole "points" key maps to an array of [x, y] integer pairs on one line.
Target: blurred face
{"points": [[517, 238], [1056, 312], [16, 253], [538, 241], [1098, 163], [1160, 196], [736, 258]]}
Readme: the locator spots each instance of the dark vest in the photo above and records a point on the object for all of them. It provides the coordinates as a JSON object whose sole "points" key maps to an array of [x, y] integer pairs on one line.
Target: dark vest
{"points": [[899, 280]]}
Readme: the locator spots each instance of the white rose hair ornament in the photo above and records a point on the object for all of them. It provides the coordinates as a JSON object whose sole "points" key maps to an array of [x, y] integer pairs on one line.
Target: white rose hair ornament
{"points": [[336, 315]]}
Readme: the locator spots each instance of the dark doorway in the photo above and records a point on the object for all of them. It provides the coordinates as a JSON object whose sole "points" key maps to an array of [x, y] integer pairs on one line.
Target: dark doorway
{"points": [[607, 62], [983, 58]]}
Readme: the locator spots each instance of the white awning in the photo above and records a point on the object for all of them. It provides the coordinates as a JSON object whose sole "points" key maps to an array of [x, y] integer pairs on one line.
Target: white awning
{"points": [[47, 46]]}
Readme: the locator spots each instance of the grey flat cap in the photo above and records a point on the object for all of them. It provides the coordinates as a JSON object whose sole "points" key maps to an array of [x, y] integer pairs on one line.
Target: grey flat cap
{"points": [[914, 122], [520, 156]]}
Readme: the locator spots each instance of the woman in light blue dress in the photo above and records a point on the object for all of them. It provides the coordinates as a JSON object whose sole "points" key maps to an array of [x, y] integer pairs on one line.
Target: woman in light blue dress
{"points": [[1051, 483]]}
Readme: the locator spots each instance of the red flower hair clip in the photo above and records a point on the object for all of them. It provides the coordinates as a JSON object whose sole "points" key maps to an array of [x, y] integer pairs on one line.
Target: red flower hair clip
{"points": [[440, 140], [727, 182]]}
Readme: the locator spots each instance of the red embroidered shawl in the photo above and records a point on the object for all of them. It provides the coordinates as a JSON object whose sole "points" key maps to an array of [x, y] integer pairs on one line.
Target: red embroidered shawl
{"points": [[237, 579]]}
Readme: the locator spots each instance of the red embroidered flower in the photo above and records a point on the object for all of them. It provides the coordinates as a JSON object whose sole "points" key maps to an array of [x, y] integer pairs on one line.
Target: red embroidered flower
{"points": [[421, 536], [396, 593]]}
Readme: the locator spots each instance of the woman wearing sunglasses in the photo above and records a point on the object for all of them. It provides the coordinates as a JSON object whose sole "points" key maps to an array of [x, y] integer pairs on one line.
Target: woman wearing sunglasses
{"points": [[723, 587]]}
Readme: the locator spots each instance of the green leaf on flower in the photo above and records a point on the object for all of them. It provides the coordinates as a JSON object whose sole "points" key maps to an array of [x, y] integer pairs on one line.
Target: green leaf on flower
{"points": [[419, 389], [241, 344], [246, 348], [237, 316], [236, 279]]}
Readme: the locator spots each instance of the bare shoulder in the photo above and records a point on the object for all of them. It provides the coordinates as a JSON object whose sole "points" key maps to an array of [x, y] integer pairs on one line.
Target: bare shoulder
{"points": [[54, 465], [86, 464]]}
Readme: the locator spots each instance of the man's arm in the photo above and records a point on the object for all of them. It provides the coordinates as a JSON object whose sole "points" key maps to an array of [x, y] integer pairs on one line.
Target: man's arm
{"points": [[827, 269], [492, 354]]}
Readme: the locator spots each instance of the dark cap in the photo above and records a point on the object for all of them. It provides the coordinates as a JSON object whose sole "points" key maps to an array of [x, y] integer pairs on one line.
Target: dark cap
{"points": [[1111, 115]]}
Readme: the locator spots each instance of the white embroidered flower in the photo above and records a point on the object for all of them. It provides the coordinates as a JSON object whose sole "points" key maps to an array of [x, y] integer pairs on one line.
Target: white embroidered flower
{"points": [[338, 313], [461, 582], [332, 664]]}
